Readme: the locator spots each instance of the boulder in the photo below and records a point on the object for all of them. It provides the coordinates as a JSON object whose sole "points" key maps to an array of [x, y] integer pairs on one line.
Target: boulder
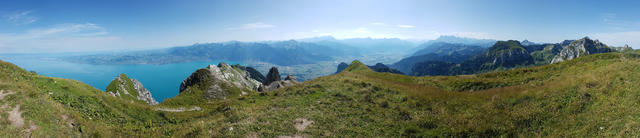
{"points": [[272, 76]]}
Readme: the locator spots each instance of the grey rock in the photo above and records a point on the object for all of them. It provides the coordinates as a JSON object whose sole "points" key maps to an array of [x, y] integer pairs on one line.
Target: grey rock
{"points": [[623, 48], [143, 93], [218, 78], [581, 47], [116, 94], [272, 76], [290, 80]]}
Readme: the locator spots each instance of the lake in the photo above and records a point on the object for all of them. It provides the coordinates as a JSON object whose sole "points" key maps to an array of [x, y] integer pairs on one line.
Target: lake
{"points": [[163, 81]]}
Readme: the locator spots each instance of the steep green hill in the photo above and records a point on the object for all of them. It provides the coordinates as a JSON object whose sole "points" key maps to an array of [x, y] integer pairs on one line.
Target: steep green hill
{"points": [[590, 96]]}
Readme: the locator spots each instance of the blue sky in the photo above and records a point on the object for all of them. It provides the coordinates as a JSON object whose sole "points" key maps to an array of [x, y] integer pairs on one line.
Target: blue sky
{"points": [[72, 26]]}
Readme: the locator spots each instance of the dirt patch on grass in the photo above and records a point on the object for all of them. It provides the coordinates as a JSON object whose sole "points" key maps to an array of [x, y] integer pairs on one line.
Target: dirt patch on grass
{"points": [[15, 116], [66, 119], [3, 93], [301, 123], [181, 109], [292, 136]]}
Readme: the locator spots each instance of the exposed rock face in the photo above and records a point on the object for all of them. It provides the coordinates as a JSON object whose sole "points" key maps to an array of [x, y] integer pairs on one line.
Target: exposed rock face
{"points": [[581, 47], [217, 81], [290, 78], [341, 67], [143, 93], [272, 76], [623, 48], [273, 81], [125, 87], [288, 81], [255, 74]]}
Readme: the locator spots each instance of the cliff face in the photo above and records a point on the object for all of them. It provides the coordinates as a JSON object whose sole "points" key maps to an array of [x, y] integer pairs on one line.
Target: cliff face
{"points": [[272, 76], [130, 89], [143, 93], [220, 81], [253, 73], [580, 47]]}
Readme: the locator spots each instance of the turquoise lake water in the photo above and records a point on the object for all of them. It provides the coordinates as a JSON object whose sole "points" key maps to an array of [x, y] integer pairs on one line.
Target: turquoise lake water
{"points": [[163, 81]]}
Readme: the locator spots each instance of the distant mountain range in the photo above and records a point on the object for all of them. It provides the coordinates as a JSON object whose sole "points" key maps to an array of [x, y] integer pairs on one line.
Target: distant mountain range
{"points": [[369, 45], [502, 55], [439, 51], [446, 53]]}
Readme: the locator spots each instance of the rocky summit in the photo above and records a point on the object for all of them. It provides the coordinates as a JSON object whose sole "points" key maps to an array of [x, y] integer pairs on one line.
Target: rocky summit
{"points": [[581, 47], [274, 82], [272, 76], [130, 89], [217, 80]]}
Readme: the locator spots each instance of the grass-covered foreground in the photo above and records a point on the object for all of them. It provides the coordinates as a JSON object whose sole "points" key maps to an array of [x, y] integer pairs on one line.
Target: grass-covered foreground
{"points": [[592, 96]]}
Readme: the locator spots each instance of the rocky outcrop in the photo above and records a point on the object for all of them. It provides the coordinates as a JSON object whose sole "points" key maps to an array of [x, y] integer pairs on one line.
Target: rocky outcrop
{"points": [[527, 43], [272, 76], [624, 48], [253, 73], [220, 81], [580, 47], [273, 81], [143, 93], [131, 89]]}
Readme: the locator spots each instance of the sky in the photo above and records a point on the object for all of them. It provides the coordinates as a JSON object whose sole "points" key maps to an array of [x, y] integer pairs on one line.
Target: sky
{"points": [[42, 26]]}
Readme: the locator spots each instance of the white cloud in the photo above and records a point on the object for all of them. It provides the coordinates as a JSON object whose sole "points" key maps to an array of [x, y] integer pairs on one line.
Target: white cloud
{"points": [[59, 38], [405, 26], [251, 26], [616, 23], [86, 29], [21, 17], [619, 38]]}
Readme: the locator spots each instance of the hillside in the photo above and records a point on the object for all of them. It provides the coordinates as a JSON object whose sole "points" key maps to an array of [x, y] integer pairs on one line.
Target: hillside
{"points": [[589, 96], [130, 89], [439, 51], [378, 67]]}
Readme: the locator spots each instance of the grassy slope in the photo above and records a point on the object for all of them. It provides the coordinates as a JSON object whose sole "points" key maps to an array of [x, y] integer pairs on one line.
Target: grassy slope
{"points": [[594, 95], [114, 86]]}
